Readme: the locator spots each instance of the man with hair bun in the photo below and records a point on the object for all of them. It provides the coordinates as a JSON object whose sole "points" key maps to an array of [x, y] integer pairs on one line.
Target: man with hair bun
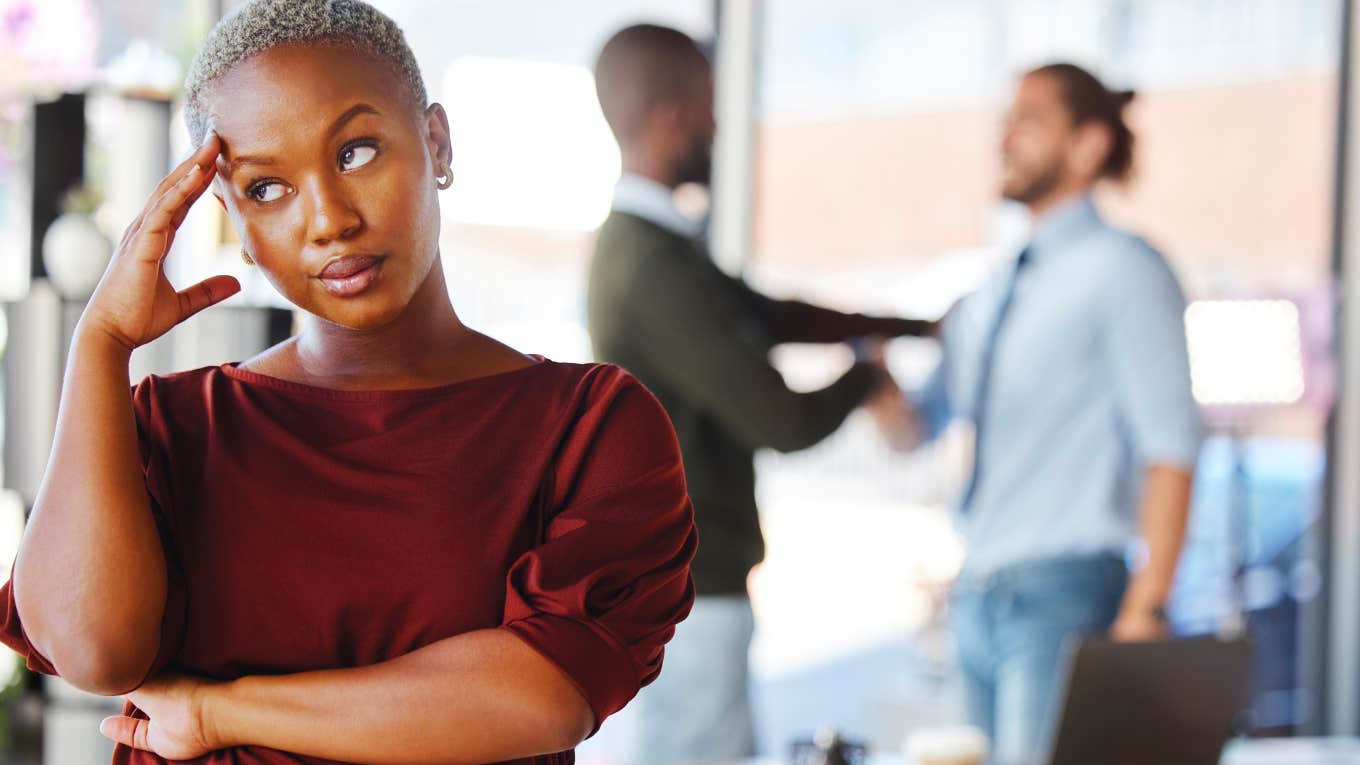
{"points": [[1071, 363]]}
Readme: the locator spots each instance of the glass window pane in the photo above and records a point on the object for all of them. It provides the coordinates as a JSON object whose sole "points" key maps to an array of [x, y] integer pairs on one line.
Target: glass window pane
{"points": [[877, 190]]}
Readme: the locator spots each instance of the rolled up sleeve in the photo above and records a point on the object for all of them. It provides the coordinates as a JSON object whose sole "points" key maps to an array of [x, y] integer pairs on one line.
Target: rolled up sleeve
{"points": [[1150, 361], [602, 592]]}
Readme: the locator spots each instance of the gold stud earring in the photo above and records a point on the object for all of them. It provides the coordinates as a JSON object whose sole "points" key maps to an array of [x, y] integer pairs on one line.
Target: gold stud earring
{"points": [[245, 256], [447, 174]]}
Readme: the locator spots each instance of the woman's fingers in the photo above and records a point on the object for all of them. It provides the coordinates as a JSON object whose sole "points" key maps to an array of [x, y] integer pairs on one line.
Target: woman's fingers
{"points": [[161, 219], [208, 292], [205, 182], [135, 301], [178, 197], [178, 217], [128, 731], [204, 156]]}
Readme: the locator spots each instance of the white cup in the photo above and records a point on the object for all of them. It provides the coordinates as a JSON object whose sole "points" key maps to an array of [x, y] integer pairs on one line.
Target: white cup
{"points": [[951, 745]]}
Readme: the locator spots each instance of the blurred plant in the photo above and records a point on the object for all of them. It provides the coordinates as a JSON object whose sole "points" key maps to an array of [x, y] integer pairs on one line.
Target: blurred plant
{"points": [[18, 680]]}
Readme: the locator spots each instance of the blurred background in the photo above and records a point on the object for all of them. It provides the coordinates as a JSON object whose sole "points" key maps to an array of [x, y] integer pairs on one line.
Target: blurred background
{"points": [[857, 167]]}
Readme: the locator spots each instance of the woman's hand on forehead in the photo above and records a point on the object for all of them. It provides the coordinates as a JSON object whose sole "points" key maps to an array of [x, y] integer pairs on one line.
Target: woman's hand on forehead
{"points": [[135, 302]]}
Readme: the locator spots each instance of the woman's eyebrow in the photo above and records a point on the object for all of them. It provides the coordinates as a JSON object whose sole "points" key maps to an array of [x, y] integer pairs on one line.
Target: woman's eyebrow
{"points": [[247, 159], [349, 114]]}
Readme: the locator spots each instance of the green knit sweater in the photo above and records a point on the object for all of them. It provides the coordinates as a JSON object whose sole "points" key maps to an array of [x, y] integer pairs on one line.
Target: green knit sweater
{"points": [[700, 340]]}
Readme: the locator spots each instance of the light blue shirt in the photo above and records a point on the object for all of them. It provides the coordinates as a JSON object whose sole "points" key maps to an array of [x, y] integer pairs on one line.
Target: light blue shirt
{"points": [[1090, 384]]}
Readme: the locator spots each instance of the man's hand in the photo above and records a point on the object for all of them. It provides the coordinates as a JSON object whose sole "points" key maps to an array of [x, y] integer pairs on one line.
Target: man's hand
{"points": [[870, 350], [894, 416], [1139, 625]]}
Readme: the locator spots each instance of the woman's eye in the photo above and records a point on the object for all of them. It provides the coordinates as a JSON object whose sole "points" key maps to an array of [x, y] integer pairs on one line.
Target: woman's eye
{"points": [[266, 192], [356, 156]]}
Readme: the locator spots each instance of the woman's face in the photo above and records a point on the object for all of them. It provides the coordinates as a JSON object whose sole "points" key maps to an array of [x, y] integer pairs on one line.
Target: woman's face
{"points": [[328, 172]]}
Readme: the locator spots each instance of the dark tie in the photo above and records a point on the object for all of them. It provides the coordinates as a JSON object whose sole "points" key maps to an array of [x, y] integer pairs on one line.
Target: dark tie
{"points": [[985, 378]]}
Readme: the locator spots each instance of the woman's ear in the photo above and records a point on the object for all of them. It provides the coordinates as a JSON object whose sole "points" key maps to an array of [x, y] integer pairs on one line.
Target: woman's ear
{"points": [[437, 130]]}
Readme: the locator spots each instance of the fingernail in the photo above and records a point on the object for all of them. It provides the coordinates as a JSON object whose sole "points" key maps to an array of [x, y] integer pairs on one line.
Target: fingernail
{"points": [[195, 168]]}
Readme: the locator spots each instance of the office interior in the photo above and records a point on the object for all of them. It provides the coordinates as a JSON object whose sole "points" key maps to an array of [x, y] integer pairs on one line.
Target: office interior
{"points": [[855, 166]]}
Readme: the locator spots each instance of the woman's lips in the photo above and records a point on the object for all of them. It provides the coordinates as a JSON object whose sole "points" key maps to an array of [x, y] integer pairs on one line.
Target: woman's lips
{"points": [[351, 275]]}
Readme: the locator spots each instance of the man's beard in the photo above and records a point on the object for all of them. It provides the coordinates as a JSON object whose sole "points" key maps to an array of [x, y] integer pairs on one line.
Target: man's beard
{"points": [[697, 164], [1037, 186]]}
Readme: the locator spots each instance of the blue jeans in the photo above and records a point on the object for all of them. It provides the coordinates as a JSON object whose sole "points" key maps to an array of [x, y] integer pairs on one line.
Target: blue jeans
{"points": [[1011, 629], [698, 709]]}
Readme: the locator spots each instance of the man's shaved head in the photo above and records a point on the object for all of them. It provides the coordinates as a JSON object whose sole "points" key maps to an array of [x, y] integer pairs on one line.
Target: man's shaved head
{"points": [[643, 66]]}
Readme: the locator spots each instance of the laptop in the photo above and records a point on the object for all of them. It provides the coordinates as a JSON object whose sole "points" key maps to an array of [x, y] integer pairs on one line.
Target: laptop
{"points": [[1168, 703]]}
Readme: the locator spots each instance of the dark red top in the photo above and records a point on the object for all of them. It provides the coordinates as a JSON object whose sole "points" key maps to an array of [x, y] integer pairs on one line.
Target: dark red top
{"points": [[307, 528]]}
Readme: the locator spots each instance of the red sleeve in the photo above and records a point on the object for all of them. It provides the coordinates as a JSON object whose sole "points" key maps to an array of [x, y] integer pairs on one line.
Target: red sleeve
{"points": [[601, 595], [151, 434]]}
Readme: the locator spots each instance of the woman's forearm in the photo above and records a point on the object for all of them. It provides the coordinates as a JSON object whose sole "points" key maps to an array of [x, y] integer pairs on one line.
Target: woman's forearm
{"points": [[483, 696], [89, 580]]}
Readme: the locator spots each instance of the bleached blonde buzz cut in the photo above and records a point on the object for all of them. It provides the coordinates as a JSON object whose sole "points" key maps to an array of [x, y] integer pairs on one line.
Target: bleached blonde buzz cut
{"points": [[259, 25]]}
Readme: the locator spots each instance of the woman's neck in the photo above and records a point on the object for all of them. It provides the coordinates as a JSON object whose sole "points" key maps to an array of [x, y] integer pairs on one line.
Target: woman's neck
{"points": [[427, 343]]}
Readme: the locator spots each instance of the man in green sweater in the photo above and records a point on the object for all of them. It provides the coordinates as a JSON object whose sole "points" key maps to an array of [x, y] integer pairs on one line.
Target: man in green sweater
{"points": [[700, 340]]}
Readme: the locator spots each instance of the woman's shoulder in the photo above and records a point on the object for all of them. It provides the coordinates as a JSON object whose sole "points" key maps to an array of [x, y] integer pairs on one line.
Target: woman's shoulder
{"points": [[607, 399], [613, 433], [179, 384], [604, 384], [179, 402]]}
